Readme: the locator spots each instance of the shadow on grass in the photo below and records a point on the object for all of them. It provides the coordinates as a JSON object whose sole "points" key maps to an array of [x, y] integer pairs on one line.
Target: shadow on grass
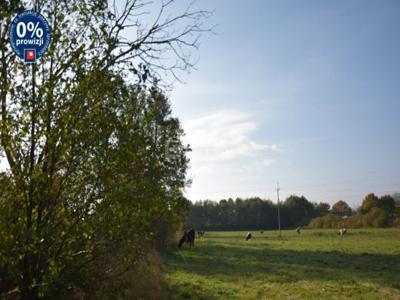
{"points": [[282, 266]]}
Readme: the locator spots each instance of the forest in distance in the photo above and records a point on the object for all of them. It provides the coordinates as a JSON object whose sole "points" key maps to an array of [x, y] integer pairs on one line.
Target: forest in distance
{"points": [[259, 214]]}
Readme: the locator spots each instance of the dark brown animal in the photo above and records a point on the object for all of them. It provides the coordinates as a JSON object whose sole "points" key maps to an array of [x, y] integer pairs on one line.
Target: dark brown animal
{"points": [[188, 237], [183, 239]]}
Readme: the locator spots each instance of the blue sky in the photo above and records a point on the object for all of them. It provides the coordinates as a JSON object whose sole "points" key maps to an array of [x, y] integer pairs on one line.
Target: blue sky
{"points": [[306, 93]]}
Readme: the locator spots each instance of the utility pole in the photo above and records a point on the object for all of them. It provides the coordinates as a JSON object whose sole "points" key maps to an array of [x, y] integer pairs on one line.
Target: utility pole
{"points": [[279, 212]]}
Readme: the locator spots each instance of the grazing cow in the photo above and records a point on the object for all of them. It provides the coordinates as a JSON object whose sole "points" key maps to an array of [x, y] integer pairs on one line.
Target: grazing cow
{"points": [[298, 230], [343, 231], [249, 236], [262, 231], [188, 237]]}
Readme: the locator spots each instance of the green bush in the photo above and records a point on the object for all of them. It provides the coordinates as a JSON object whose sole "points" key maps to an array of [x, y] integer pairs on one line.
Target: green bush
{"points": [[327, 221], [376, 218], [355, 221]]}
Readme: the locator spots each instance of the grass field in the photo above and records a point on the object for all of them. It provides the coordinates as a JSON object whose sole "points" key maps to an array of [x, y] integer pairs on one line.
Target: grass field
{"points": [[317, 264]]}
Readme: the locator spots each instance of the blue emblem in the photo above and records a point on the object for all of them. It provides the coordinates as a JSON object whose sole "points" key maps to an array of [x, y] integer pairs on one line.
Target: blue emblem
{"points": [[30, 36]]}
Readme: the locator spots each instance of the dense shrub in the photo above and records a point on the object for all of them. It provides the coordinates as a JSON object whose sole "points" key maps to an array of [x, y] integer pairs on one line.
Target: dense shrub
{"points": [[376, 217], [327, 221]]}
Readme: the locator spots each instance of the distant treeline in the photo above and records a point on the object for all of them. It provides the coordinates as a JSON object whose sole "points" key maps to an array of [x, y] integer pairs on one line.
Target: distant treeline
{"points": [[259, 214], [374, 212]]}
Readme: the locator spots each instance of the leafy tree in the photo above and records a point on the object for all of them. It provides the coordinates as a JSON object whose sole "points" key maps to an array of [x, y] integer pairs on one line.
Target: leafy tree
{"points": [[388, 204], [251, 213], [341, 208], [376, 217], [96, 162], [369, 202], [374, 212], [297, 210], [322, 208], [255, 214]]}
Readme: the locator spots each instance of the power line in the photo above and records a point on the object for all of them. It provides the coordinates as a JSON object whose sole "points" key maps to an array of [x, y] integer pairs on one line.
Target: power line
{"points": [[313, 187]]}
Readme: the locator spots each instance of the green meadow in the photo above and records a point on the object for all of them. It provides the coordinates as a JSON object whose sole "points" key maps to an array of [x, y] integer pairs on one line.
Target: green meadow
{"points": [[317, 264]]}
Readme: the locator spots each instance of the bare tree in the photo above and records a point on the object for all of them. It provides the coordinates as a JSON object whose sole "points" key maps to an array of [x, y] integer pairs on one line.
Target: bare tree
{"points": [[165, 43]]}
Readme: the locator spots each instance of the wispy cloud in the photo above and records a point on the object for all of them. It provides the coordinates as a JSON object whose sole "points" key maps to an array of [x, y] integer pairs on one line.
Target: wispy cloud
{"points": [[268, 162], [224, 137]]}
